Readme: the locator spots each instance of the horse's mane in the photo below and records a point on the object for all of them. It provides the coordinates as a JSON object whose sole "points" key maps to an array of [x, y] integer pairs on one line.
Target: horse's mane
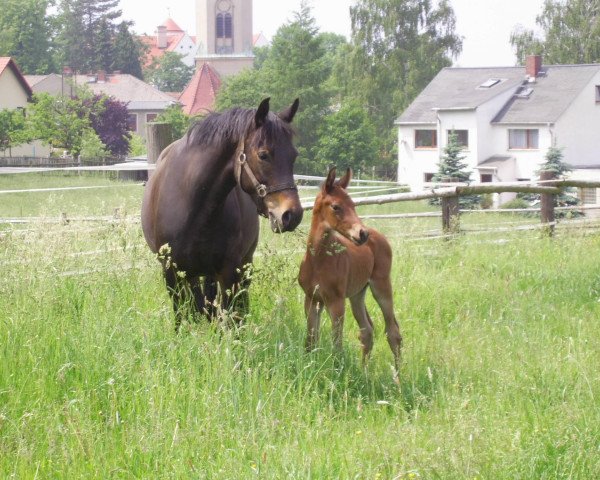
{"points": [[217, 129]]}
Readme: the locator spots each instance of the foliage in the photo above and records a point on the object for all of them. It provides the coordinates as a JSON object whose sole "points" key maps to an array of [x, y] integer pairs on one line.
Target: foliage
{"points": [[554, 163], [178, 120], [347, 138], [451, 168], [13, 130], [398, 46], [168, 73], [128, 51], [108, 117], [59, 121], [137, 146], [570, 33], [85, 32], [25, 34], [92, 146]]}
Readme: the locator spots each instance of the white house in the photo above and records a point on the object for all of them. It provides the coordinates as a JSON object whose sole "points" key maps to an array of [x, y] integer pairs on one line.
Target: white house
{"points": [[506, 118]]}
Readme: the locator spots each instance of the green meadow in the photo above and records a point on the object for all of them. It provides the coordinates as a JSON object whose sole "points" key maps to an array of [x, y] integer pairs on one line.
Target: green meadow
{"points": [[500, 376]]}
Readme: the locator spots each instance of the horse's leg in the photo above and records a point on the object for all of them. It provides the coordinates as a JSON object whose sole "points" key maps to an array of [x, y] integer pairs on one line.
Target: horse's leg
{"points": [[335, 308], [313, 310], [382, 291], [176, 292], [365, 324], [210, 295], [198, 294]]}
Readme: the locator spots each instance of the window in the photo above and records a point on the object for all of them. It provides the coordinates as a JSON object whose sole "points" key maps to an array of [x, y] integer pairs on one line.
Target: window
{"points": [[428, 177], [132, 122], [597, 93], [462, 137], [486, 178], [224, 32], [425, 138], [525, 139], [490, 83], [588, 196], [150, 117]]}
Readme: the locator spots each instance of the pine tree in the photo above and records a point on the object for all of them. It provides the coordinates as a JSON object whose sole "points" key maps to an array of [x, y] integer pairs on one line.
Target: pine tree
{"points": [[127, 51]]}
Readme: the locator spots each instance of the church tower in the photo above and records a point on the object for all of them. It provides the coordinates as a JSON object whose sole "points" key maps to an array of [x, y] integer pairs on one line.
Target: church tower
{"points": [[224, 35]]}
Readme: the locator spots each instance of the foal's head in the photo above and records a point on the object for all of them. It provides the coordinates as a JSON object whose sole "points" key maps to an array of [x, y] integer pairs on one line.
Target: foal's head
{"points": [[335, 208]]}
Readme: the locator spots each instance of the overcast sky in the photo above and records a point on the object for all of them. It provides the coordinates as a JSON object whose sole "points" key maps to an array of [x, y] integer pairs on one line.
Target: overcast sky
{"points": [[485, 25]]}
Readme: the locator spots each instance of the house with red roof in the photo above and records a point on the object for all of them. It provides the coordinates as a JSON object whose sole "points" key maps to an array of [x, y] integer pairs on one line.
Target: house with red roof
{"points": [[15, 93], [169, 37]]}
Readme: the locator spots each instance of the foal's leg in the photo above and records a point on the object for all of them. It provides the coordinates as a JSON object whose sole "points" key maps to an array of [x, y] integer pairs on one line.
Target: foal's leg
{"points": [[336, 308], [313, 310], [210, 295], [382, 291], [365, 324]]}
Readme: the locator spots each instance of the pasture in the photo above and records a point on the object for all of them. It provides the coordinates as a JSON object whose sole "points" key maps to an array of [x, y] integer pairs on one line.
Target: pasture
{"points": [[499, 379]]}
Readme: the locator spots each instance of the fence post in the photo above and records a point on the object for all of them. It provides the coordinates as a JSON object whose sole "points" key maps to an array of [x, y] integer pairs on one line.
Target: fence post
{"points": [[547, 205], [158, 137], [450, 210]]}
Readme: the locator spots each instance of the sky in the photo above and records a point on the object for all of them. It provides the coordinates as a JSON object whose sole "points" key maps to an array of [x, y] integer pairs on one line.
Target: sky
{"points": [[485, 25]]}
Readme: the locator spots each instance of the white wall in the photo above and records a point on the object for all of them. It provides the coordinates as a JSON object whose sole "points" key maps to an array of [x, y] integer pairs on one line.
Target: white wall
{"points": [[577, 131]]}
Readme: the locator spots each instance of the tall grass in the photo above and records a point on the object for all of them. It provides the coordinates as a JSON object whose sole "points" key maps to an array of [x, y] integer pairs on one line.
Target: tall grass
{"points": [[499, 377]]}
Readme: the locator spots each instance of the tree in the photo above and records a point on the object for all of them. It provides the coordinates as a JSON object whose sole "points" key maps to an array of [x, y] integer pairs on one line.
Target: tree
{"points": [[84, 29], [108, 118], [398, 46], [570, 33], [127, 51], [168, 73], [25, 34], [13, 130], [348, 138], [60, 122], [452, 169], [179, 121]]}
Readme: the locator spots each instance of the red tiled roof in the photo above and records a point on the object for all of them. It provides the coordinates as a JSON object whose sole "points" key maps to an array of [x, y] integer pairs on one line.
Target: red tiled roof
{"points": [[172, 27], [7, 62], [200, 94], [154, 51]]}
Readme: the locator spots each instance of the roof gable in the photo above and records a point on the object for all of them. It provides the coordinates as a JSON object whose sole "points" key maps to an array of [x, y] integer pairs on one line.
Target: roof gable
{"points": [[200, 94], [7, 63]]}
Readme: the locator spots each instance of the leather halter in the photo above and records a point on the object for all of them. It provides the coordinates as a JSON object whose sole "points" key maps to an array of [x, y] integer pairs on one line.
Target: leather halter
{"points": [[260, 189]]}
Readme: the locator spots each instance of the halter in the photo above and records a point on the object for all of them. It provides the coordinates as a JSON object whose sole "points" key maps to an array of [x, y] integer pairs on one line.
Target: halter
{"points": [[260, 189]]}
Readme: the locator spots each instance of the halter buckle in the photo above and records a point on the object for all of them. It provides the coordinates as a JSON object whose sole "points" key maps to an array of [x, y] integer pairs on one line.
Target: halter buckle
{"points": [[261, 190]]}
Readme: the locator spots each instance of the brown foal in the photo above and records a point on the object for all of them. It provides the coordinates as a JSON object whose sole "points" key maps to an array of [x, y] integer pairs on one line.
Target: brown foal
{"points": [[342, 258]]}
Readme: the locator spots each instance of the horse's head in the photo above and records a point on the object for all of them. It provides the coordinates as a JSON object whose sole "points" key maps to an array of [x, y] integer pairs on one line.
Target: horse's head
{"points": [[266, 168], [334, 206]]}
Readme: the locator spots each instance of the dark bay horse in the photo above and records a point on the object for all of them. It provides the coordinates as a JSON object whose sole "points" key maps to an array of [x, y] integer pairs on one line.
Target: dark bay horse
{"points": [[201, 205], [342, 259]]}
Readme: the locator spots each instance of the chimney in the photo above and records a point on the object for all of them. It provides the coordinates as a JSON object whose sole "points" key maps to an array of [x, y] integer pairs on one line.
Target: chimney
{"points": [[161, 36], [533, 65]]}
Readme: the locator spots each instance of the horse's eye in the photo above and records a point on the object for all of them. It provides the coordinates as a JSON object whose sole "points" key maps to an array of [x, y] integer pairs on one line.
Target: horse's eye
{"points": [[336, 208], [264, 156]]}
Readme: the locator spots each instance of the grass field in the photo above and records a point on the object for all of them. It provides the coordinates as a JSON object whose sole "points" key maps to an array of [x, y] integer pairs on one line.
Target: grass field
{"points": [[500, 376]]}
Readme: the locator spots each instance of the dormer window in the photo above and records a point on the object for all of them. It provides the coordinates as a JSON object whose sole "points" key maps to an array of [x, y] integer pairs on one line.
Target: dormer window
{"points": [[597, 93]]}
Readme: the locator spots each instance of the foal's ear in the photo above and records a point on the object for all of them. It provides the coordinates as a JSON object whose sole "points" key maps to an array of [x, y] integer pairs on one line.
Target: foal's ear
{"points": [[345, 180], [288, 114], [262, 112], [329, 181]]}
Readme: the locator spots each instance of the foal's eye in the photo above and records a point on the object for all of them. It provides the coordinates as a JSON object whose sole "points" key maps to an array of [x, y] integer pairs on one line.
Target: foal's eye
{"points": [[336, 208], [264, 156]]}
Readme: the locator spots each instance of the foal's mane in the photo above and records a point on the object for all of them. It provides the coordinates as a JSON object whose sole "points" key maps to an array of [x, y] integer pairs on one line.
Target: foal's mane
{"points": [[231, 126]]}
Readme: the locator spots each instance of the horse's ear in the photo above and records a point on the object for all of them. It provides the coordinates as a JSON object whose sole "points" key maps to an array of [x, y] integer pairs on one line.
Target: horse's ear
{"points": [[288, 114], [345, 180], [262, 112], [329, 181]]}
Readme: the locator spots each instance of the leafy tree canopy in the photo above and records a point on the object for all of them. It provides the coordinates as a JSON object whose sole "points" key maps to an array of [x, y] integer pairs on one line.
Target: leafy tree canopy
{"points": [[168, 73], [570, 33]]}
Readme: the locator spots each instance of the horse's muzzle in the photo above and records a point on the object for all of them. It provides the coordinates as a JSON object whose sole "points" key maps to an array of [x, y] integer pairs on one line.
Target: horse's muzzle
{"points": [[287, 221]]}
